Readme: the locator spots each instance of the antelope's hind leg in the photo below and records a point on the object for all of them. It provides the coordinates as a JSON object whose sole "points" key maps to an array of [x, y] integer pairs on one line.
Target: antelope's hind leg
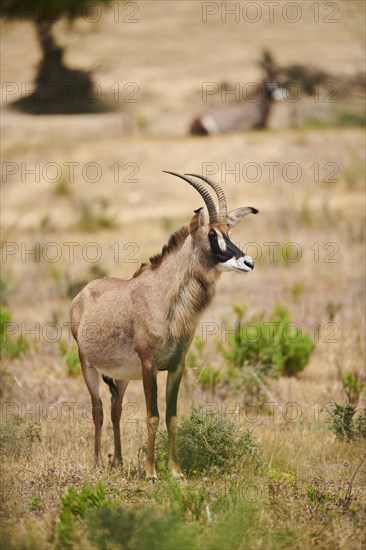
{"points": [[151, 397], [91, 378], [117, 389]]}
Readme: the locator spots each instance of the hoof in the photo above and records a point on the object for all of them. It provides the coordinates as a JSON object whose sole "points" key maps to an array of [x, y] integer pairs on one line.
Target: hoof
{"points": [[178, 476], [176, 472], [152, 480], [98, 464]]}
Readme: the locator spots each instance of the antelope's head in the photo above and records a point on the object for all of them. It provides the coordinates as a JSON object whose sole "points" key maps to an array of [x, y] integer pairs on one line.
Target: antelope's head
{"points": [[214, 238]]}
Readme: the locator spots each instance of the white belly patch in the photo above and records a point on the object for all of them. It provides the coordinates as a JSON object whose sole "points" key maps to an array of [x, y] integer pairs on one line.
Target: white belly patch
{"points": [[126, 372], [124, 365]]}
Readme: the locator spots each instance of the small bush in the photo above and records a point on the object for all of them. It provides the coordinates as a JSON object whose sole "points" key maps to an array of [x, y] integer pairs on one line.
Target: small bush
{"points": [[74, 507], [348, 117], [360, 424], [342, 423], [35, 504], [353, 385], [9, 346], [278, 481], [62, 188], [209, 440], [274, 344], [72, 359], [297, 291], [139, 528], [208, 377], [6, 287]]}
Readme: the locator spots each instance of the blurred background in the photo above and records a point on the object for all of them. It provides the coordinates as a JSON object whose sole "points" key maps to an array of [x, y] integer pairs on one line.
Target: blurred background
{"points": [[265, 98]]}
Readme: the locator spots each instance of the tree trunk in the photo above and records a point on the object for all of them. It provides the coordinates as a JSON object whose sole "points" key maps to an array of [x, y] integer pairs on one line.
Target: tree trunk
{"points": [[58, 89], [51, 67]]}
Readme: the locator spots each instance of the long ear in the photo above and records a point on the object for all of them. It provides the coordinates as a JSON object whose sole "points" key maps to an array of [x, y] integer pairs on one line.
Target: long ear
{"points": [[235, 216], [197, 220]]}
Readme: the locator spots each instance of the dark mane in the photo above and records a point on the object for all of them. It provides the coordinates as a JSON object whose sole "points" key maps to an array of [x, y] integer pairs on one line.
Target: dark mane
{"points": [[175, 242]]}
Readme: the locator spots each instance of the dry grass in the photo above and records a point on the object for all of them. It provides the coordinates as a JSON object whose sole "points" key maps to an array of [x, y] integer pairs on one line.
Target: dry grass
{"points": [[146, 212]]}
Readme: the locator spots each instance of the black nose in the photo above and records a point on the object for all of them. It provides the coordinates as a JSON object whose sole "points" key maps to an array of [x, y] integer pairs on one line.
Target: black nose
{"points": [[249, 262]]}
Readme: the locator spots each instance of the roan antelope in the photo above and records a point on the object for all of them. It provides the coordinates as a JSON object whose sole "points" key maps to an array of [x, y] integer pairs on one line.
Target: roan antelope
{"points": [[130, 330], [246, 114], [253, 113]]}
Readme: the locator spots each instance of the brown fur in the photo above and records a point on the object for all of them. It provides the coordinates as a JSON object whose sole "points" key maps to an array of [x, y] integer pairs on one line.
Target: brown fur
{"points": [[175, 242]]}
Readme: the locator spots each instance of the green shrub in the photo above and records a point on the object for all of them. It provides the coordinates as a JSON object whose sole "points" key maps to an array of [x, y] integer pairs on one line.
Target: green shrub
{"points": [[139, 528], [342, 422], [208, 377], [297, 291], [276, 345], [35, 504], [62, 188], [349, 117], [72, 359], [74, 507], [332, 308], [9, 346], [205, 441], [278, 481], [195, 355], [360, 424], [353, 386], [6, 287]]}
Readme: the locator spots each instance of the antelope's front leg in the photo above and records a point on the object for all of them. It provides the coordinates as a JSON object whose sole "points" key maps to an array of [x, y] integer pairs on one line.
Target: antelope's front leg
{"points": [[172, 389], [151, 397]]}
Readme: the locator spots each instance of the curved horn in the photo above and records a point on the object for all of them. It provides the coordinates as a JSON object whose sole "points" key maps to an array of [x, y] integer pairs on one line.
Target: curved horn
{"points": [[220, 195], [212, 212]]}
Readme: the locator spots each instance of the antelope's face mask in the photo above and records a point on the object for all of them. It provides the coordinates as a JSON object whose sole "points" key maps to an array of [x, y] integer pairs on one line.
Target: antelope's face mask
{"points": [[214, 239], [227, 256]]}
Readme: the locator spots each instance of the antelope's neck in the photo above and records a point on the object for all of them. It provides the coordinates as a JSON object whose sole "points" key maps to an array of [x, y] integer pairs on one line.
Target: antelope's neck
{"points": [[191, 289]]}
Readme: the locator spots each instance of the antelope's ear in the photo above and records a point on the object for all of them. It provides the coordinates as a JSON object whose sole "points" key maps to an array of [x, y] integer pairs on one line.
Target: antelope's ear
{"points": [[235, 216], [197, 221]]}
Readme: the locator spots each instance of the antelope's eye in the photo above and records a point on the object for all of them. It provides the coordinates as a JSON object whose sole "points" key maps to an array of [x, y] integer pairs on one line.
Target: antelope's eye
{"points": [[212, 233]]}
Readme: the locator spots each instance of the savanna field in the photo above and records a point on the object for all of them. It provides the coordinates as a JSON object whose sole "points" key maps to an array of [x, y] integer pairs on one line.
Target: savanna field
{"points": [[272, 403]]}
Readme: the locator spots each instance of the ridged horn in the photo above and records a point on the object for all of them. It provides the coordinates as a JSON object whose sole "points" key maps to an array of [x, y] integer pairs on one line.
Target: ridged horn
{"points": [[212, 212], [220, 195]]}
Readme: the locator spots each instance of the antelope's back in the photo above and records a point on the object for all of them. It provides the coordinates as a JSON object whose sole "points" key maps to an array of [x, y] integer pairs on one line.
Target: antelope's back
{"points": [[94, 302]]}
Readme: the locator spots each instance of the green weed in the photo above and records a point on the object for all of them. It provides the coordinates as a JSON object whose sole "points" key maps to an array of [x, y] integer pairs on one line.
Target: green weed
{"points": [[35, 504], [297, 291], [72, 359], [342, 422], [353, 385], [74, 507], [62, 188], [9, 346], [349, 117], [208, 377], [138, 528]]}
